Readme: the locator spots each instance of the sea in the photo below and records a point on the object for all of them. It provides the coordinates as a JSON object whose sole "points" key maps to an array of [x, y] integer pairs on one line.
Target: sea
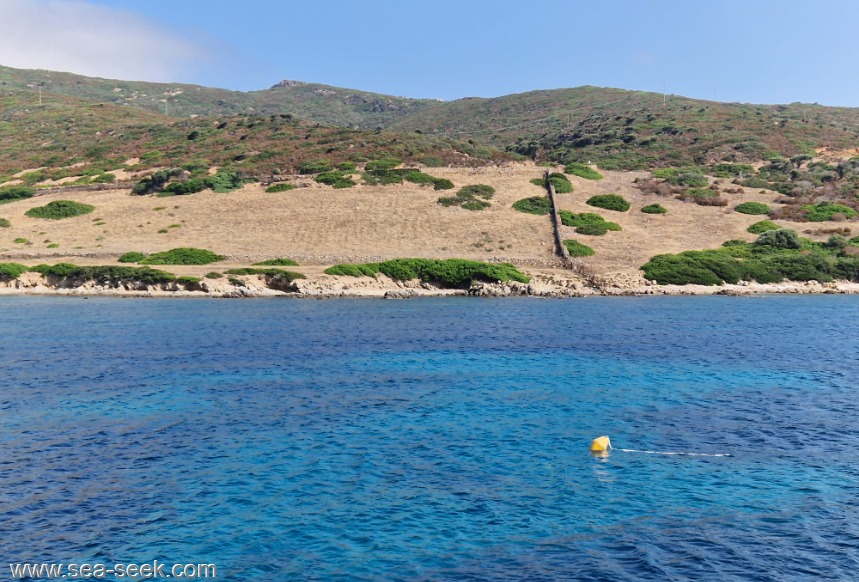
{"points": [[434, 439]]}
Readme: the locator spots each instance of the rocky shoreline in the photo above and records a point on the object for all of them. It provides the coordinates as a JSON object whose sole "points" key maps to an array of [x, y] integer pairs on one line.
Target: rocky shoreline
{"points": [[542, 285]]}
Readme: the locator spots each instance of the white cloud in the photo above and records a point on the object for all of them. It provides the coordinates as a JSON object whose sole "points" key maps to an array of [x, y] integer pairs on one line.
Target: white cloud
{"points": [[80, 37]]}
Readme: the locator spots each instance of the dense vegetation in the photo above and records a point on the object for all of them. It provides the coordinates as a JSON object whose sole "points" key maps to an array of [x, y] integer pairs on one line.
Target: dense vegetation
{"points": [[182, 256], [12, 270], [588, 223], [534, 205], [470, 197], [752, 208], [282, 187], [775, 256], [59, 209], [104, 274], [452, 273], [12, 193], [577, 249], [762, 226], [609, 202], [4, 223], [132, 257], [560, 183], [582, 171], [279, 262], [654, 209]]}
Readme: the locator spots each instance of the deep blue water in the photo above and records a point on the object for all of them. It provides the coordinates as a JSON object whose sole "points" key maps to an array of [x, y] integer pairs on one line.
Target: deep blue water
{"points": [[442, 439]]}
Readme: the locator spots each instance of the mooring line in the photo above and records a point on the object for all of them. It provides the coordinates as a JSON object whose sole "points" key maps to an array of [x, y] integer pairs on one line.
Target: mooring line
{"points": [[673, 453]]}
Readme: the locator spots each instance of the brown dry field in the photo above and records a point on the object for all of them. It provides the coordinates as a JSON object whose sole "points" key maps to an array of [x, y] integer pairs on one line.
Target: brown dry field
{"points": [[319, 225]]}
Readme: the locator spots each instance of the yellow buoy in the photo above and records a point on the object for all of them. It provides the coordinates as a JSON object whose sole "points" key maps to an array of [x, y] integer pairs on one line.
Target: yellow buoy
{"points": [[600, 444]]}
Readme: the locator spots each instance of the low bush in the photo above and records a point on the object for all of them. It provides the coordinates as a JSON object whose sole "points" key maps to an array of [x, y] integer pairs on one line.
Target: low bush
{"points": [[726, 170], [315, 167], [213, 275], [823, 211], [282, 187], [588, 223], [12, 270], [753, 208], [762, 226], [442, 184], [433, 161], [687, 177], [609, 202], [281, 262], [271, 272], [782, 238], [382, 164], [583, 171], [155, 182], [454, 273], [132, 257], [21, 241], [347, 166], [418, 177], [182, 256], [105, 274], [4, 223], [59, 209], [654, 209], [12, 193], [104, 178], [577, 249], [348, 270], [560, 183], [336, 179], [534, 205], [469, 197]]}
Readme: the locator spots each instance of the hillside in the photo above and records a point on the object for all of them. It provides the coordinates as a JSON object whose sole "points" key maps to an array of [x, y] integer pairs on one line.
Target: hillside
{"points": [[310, 101], [65, 132], [617, 129]]}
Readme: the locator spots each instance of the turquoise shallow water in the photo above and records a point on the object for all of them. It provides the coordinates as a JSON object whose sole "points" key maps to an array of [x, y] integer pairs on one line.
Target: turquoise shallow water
{"points": [[434, 439]]}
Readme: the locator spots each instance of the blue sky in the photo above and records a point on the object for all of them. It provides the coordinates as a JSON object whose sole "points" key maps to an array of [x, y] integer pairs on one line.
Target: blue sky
{"points": [[760, 51]]}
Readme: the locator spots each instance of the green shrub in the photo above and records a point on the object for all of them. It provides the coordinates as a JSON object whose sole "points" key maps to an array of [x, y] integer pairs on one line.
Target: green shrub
{"points": [[455, 273], [382, 164], [418, 177], [783, 238], [282, 187], [214, 275], [732, 170], [762, 226], [59, 209], [592, 229], [132, 257], [468, 197], [104, 178], [366, 270], [270, 272], [315, 167], [654, 209], [561, 183], [577, 249], [582, 171], [609, 202], [687, 177], [347, 166], [282, 262], [21, 241], [823, 211], [12, 270], [105, 274], [336, 178], [155, 181], [442, 184], [700, 193], [12, 193], [225, 181], [534, 205], [54, 246], [752, 208], [187, 187], [433, 161], [182, 256], [4, 223]]}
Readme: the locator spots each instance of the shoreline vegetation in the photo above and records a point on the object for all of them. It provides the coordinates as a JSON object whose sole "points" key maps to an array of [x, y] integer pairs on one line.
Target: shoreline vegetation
{"points": [[69, 280]]}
